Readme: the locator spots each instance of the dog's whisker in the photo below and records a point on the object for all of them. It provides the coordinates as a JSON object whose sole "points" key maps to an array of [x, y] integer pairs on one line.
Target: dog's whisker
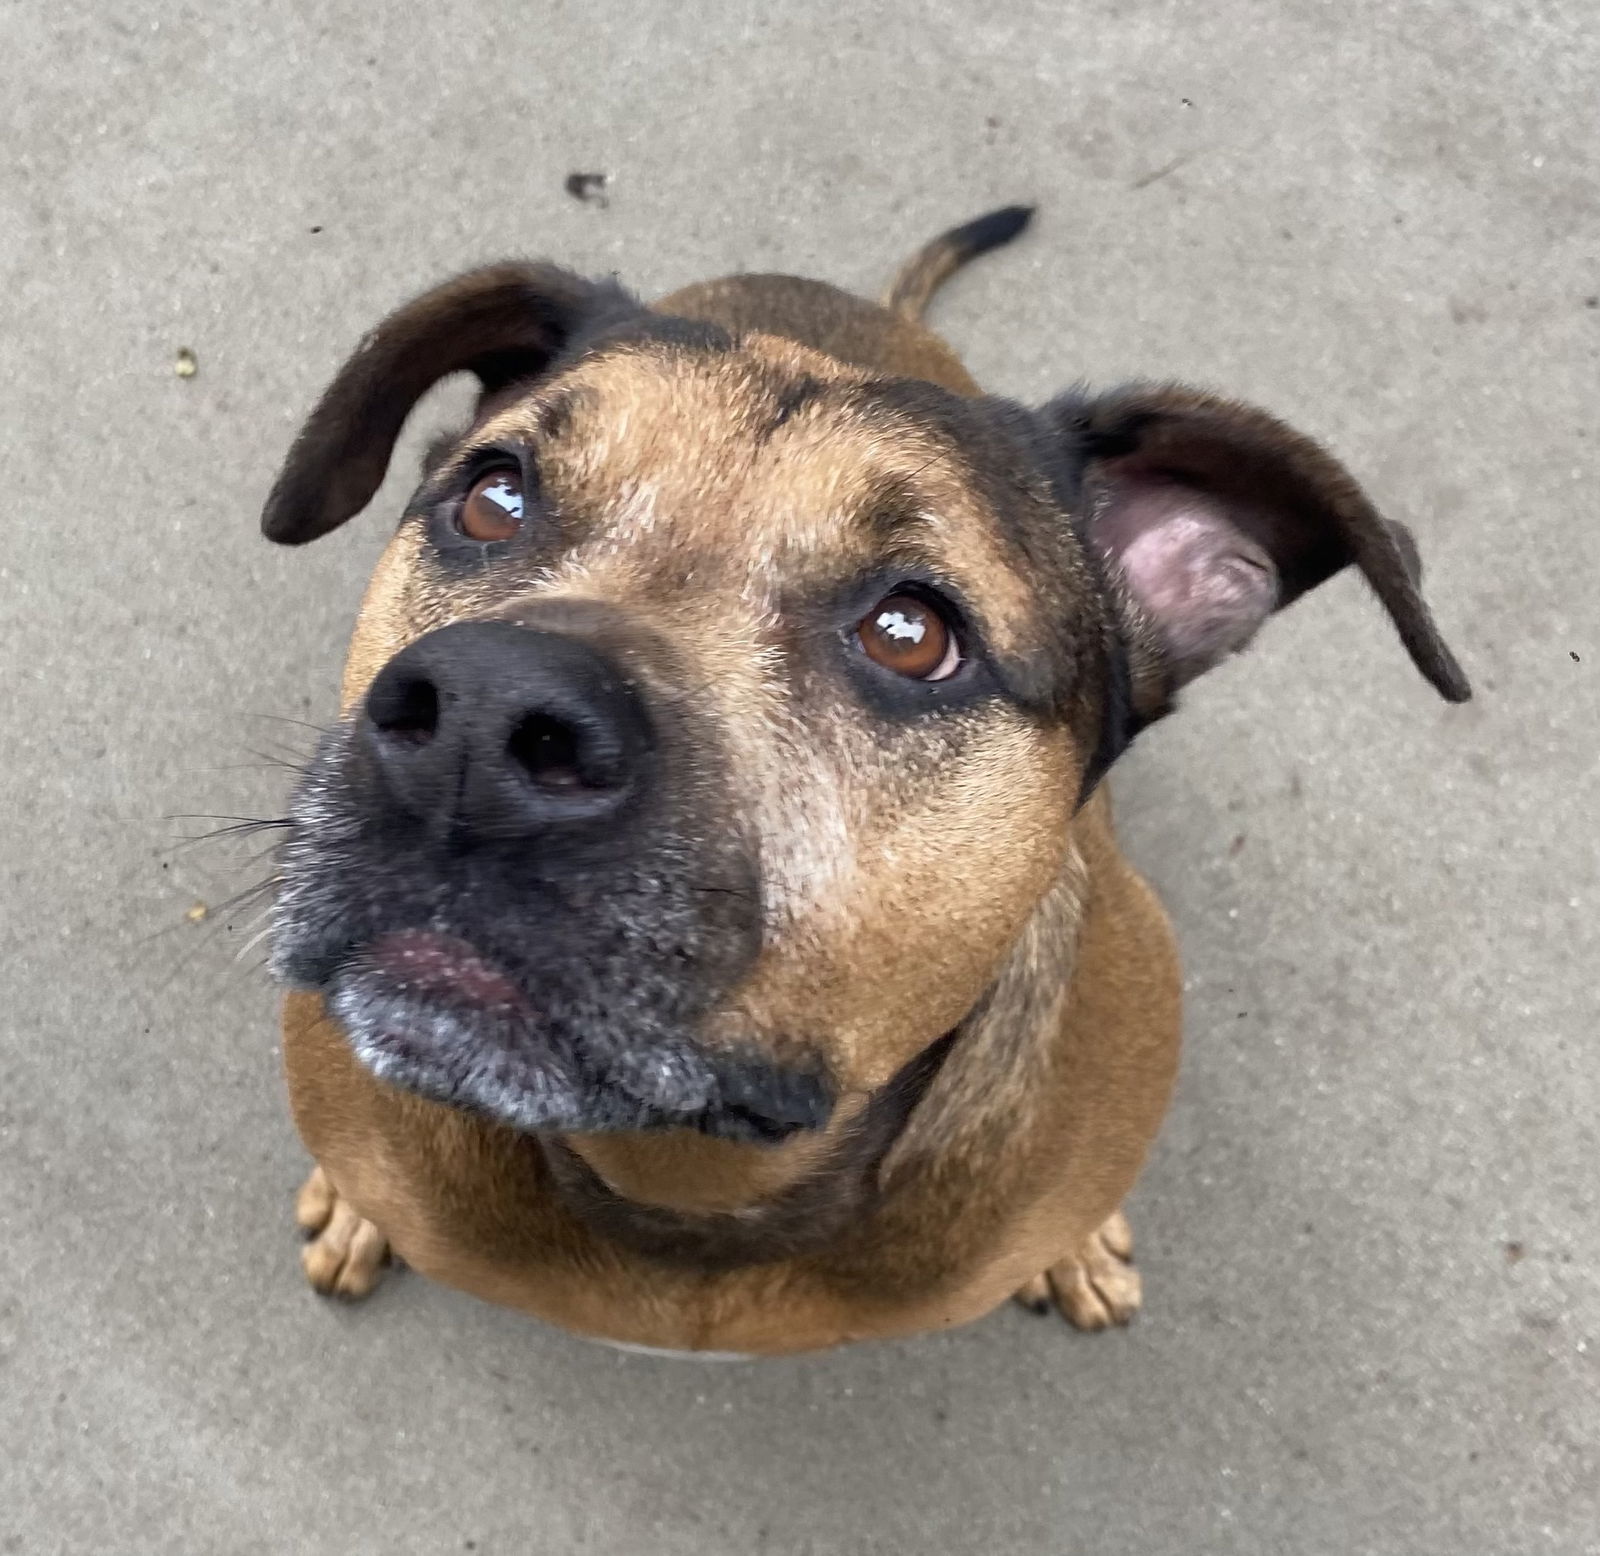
{"points": [[252, 821], [229, 833], [217, 924], [261, 763], [292, 761], [261, 888], [278, 718], [250, 944]]}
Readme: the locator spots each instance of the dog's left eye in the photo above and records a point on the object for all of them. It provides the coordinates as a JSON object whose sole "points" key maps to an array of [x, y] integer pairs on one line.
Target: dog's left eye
{"points": [[907, 634], [493, 509]]}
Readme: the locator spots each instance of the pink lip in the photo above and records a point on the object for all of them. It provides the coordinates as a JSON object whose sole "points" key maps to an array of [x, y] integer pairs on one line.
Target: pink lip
{"points": [[439, 965]]}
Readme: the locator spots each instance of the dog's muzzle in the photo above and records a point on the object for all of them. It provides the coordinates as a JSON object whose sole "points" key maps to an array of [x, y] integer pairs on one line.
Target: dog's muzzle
{"points": [[512, 879]]}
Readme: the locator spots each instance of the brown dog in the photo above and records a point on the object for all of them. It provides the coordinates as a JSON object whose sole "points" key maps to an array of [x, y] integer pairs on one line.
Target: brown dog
{"points": [[705, 923]]}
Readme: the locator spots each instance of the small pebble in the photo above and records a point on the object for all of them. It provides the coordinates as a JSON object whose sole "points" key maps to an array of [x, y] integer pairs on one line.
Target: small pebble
{"points": [[588, 187]]}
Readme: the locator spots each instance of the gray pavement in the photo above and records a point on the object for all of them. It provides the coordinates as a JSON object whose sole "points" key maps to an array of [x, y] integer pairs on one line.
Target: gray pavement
{"points": [[1369, 1234]]}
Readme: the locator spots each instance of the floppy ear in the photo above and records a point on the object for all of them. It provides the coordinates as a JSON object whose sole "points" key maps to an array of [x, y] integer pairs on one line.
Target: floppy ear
{"points": [[503, 323], [1213, 515]]}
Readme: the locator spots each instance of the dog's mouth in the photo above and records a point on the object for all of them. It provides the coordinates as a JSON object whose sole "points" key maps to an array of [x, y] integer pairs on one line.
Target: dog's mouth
{"points": [[430, 1013], [550, 984], [444, 969]]}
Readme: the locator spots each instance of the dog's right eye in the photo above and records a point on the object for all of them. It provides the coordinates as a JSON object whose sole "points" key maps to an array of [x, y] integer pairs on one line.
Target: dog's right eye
{"points": [[493, 509], [909, 635]]}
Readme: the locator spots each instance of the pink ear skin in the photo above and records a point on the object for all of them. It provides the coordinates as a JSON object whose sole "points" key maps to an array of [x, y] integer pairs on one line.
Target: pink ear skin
{"points": [[1205, 583], [1213, 515]]}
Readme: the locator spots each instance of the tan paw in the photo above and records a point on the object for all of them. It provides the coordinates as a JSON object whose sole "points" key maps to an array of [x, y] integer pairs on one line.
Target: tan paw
{"points": [[344, 1254], [1097, 1289]]}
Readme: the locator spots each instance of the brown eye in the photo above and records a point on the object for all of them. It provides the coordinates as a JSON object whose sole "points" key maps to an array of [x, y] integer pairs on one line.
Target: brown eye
{"points": [[909, 636], [494, 506]]}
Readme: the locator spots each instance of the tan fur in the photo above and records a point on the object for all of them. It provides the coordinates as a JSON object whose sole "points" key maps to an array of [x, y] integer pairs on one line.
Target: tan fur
{"points": [[1051, 1098]]}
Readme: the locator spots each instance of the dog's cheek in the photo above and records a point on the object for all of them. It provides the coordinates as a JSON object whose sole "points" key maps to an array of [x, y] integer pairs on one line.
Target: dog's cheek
{"points": [[946, 841], [951, 874]]}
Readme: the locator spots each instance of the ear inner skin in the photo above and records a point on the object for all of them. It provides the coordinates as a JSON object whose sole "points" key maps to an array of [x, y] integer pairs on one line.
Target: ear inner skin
{"points": [[503, 323], [1214, 514], [1201, 576]]}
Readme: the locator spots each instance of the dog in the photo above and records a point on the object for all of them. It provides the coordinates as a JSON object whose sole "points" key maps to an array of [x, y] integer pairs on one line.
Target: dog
{"points": [[704, 928]]}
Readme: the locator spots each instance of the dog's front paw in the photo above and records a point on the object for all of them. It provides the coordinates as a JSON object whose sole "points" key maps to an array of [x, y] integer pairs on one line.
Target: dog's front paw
{"points": [[345, 1254], [1097, 1288]]}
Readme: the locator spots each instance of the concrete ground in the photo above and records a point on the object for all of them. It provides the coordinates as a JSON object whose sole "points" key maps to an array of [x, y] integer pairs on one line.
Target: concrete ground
{"points": [[1369, 1234]]}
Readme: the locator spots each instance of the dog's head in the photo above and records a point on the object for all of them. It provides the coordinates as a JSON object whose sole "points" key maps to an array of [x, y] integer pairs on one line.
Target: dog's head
{"points": [[716, 716]]}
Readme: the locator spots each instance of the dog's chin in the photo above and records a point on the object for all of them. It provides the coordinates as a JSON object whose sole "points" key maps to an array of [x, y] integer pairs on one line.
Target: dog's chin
{"points": [[429, 1014]]}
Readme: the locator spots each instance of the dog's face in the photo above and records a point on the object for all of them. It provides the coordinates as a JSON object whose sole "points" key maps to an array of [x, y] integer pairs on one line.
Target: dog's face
{"points": [[716, 716]]}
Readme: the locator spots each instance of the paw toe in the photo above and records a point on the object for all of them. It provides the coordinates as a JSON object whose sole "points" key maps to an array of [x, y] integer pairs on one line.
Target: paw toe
{"points": [[1097, 1290], [1117, 1235], [1035, 1296], [346, 1253], [313, 1205]]}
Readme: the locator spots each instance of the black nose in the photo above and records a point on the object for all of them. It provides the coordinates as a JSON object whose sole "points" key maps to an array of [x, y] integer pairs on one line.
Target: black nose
{"points": [[490, 730]]}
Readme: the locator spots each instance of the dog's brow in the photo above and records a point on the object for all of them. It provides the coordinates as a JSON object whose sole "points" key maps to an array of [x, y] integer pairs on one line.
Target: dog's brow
{"points": [[790, 397], [909, 405], [552, 417], [891, 513]]}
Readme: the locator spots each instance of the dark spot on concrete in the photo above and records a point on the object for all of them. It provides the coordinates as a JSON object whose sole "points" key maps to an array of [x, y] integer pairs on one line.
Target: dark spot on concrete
{"points": [[1188, 102], [1572, 653], [1164, 170], [588, 187], [992, 122], [1515, 1252], [1591, 302], [1540, 1323], [1236, 847], [315, 230]]}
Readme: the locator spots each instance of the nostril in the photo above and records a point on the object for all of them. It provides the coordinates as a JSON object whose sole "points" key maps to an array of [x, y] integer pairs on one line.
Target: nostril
{"points": [[546, 749], [406, 709]]}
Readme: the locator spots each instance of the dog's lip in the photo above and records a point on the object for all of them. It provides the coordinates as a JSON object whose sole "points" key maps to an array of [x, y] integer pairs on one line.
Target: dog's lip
{"points": [[431, 965]]}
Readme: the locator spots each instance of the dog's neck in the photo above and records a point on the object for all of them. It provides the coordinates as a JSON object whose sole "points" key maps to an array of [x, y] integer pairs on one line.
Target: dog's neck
{"points": [[698, 1174], [715, 1204]]}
